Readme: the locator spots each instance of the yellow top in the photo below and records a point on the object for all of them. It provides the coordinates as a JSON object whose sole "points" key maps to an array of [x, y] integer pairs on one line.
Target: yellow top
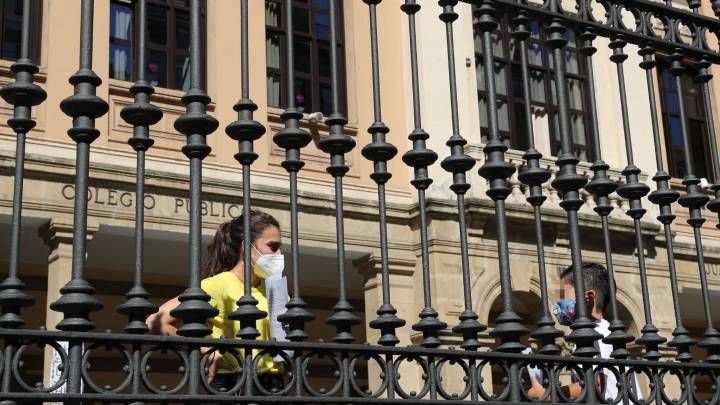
{"points": [[225, 289]]}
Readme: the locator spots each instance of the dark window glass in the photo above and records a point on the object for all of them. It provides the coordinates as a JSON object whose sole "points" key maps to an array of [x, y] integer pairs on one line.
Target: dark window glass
{"points": [[121, 37], [157, 25], [512, 120], [300, 19], [157, 68], [168, 42], [311, 55], [695, 121], [11, 29], [12, 35], [303, 59], [322, 25]]}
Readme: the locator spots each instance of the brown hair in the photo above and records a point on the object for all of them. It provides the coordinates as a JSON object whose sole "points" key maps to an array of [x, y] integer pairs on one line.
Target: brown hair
{"points": [[224, 252]]}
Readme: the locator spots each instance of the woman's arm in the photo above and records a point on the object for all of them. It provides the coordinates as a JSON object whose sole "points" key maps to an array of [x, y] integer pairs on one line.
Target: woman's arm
{"points": [[162, 321]]}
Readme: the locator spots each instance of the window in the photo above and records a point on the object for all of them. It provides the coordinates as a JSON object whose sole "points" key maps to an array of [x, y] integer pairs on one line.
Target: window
{"points": [[695, 120], [311, 46], [512, 122], [11, 30], [168, 42]]}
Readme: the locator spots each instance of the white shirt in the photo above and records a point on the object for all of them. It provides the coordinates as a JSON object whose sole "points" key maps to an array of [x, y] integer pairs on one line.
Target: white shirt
{"points": [[604, 351]]}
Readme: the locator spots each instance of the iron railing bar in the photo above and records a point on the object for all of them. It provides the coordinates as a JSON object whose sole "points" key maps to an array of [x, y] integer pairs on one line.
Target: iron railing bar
{"points": [[535, 176], [167, 341], [634, 191], [160, 398], [140, 179], [84, 106], [496, 170], [19, 123], [379, 152], [605, 31], [337, 144], [420, 158], [694, 200], [292, 138], [469, 327], [645, 5], [334, 71], [569, 182], [711, 341], [601, 187], [140, 114], [25, 31], [245, 130], [664, 197], [497, 180], [704, 77], [22, 94], [196, 124]]}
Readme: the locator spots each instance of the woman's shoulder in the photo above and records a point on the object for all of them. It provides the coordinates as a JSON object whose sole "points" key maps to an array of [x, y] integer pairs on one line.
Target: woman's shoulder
{"points": [[220, 279]]}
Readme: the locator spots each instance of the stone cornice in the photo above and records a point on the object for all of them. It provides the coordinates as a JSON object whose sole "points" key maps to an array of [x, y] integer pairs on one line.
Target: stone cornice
{"points": [[52, 160]]}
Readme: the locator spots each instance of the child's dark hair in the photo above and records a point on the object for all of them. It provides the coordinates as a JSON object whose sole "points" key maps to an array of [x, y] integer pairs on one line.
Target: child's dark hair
{"points": [[595, 277], [224, 252]]}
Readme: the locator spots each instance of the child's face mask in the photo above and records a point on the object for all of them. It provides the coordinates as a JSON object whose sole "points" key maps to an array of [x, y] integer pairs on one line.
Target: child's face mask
{"points": [[564, 311]]}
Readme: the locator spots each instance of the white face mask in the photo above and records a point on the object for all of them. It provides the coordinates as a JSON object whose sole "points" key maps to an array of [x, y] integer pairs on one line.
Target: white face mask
{"points": [[269, 265]]}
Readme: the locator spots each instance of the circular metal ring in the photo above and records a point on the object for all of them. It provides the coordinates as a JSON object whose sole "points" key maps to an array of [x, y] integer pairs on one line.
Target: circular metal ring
{"points": [[546, 372], [479, 378], [146, 379], [340, 374], [693, 385], [466, 379], [85, 368], [383, 374], [204, 376], [573, 368], [63, 363], [683, 387], [630, 377], [620, 383], [256, 379], [409, 358]]}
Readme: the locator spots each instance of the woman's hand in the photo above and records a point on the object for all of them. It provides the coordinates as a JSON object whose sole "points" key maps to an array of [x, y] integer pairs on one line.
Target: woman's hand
{"points": [[162, 321], [214, 363]]}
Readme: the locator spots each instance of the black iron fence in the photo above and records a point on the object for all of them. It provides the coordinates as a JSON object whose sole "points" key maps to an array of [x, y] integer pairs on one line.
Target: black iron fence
{"points": [[657, 28]]}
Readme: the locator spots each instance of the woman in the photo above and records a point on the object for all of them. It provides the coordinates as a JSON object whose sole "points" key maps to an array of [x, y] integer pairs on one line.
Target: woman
{"points": [[223, 277]]}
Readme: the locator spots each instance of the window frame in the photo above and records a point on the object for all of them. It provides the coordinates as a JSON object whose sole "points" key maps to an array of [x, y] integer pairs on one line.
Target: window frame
{"points": [[34, 48], [519, 140], [701, 118], [315, 79], [170, 47]]}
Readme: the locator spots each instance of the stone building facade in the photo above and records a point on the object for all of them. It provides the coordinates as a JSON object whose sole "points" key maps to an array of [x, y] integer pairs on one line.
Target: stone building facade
{"points": [[47, 224]]}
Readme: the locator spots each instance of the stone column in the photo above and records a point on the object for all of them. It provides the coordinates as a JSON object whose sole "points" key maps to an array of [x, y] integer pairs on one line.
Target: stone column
{"points": [[58, 236], [402, 296]]}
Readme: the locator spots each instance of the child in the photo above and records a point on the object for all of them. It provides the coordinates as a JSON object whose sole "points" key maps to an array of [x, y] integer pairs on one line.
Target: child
{"points": [[597, 295]]}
